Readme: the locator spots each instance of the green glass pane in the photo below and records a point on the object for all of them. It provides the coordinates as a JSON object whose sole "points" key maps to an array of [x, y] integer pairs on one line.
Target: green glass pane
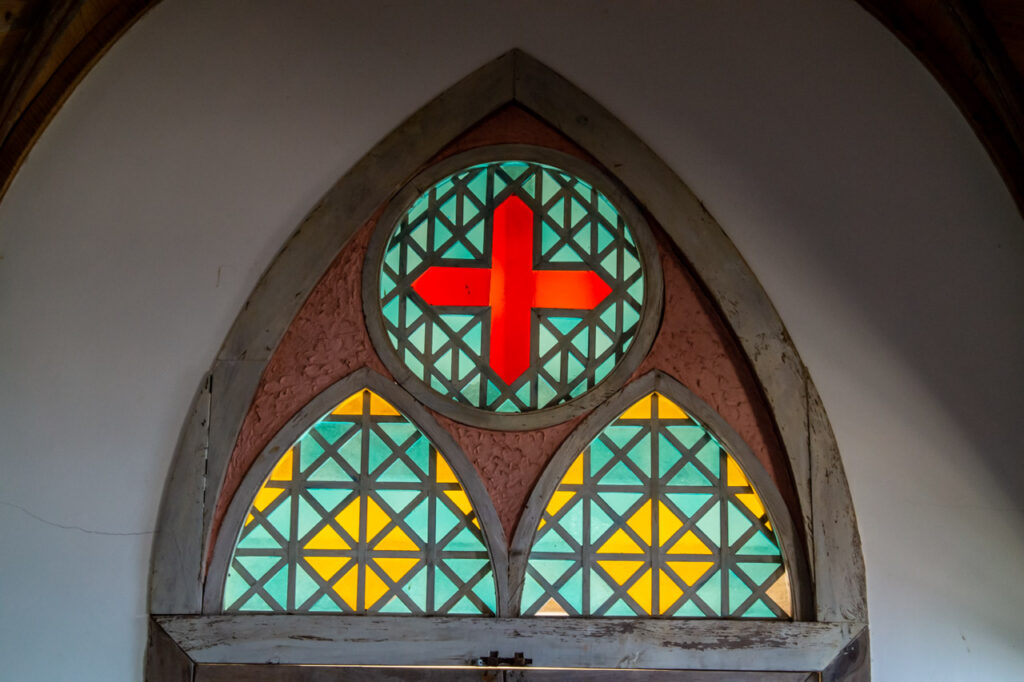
{"points": [[710, 523], [620, 435], [329, 471], [711, 593], [305, 587], [620, 474], [257, 566], [328, 498], [234, 587], [620, 503], [758, 610], [552, 569], [256, 603], [738, 523], [280, 519], [465, 541], [416, 588], [738, 591], [572, 591], [258, 538], [552, 541], [465, 606], [484, 589], [444, 589], [333, 431], [532, 591], [759, 544], [308, 517], [758, 572], [620, 608], [325, 604], [688, 503], [600, 590], [689, 475], [398, 472], [395, 605]]}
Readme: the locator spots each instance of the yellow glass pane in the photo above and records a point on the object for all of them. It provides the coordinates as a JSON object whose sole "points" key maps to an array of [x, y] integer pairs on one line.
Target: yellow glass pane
{"points": [[668, 523], [668, 591], [780, 593], [620, 571], [265, 496], [639, 410], [375, 588], [558, 500], [347, 587], [283, 469], [376, 519], [735, 475], [326, 566], [620, 543], [349, 518], [460, 499], [574, 476], [690, 571], [641, 523], [398, 541], [327, 538], [249, 519], [381, 407], [668, 409], [641, 591], [752, 502], [551, 608], [444, 472], [351, 405], [395, 567], [689, 544]]}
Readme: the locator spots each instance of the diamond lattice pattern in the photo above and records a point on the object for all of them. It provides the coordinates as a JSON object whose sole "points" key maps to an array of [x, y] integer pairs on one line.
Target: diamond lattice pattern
{"points": [[361, 515], [575, 228], [655, 518]]}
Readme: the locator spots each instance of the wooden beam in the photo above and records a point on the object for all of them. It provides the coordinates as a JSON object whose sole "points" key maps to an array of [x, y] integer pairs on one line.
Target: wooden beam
{"points": [[551, 642]]}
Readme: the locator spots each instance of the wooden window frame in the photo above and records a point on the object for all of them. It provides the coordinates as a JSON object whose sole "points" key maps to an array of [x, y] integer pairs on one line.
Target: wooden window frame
{"points": [[190, 639]]}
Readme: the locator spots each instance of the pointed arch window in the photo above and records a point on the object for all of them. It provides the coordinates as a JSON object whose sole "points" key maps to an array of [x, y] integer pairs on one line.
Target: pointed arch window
{"points": [[655, 518], [362, 514], [316, 508]]}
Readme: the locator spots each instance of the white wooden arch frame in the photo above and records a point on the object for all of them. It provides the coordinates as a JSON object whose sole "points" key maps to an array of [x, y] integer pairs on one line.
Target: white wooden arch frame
{"points": [[190, 641]]}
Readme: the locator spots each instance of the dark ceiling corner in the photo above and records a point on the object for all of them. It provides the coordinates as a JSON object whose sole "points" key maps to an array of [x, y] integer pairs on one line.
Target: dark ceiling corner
{"points": [[974, 48], [46, 48]]}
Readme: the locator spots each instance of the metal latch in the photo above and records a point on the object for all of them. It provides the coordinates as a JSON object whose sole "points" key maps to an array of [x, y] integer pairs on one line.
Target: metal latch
{"points": [[517, 660]]}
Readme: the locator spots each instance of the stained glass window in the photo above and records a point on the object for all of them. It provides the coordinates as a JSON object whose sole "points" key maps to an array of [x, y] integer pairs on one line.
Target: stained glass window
{"points": [[361, 515], [511, 286], [655, 518]]}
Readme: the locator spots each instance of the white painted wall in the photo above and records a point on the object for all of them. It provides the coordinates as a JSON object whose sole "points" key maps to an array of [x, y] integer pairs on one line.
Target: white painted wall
{"points": [[877, 224]]}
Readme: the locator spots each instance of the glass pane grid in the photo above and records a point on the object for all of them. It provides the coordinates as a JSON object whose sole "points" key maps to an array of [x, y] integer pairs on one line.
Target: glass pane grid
{"points": [[361, 515], [654, 518], [569, 315]]}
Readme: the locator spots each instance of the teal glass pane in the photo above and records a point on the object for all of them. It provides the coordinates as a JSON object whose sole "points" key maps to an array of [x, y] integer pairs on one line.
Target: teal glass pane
{"points": [[638, 523], [355, 517], [436, 302]]}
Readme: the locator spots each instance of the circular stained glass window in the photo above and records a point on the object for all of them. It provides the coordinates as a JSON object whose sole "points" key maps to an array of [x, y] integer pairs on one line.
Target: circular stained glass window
{"points": [[505, 292]]}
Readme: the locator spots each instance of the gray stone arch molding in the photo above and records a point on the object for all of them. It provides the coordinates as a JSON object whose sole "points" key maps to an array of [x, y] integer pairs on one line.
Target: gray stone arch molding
{"points": [[324, 402], [834, 639]]}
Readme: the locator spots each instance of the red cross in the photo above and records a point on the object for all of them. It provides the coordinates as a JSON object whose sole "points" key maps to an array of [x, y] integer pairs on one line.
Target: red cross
{"points": [[512, 288]]}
